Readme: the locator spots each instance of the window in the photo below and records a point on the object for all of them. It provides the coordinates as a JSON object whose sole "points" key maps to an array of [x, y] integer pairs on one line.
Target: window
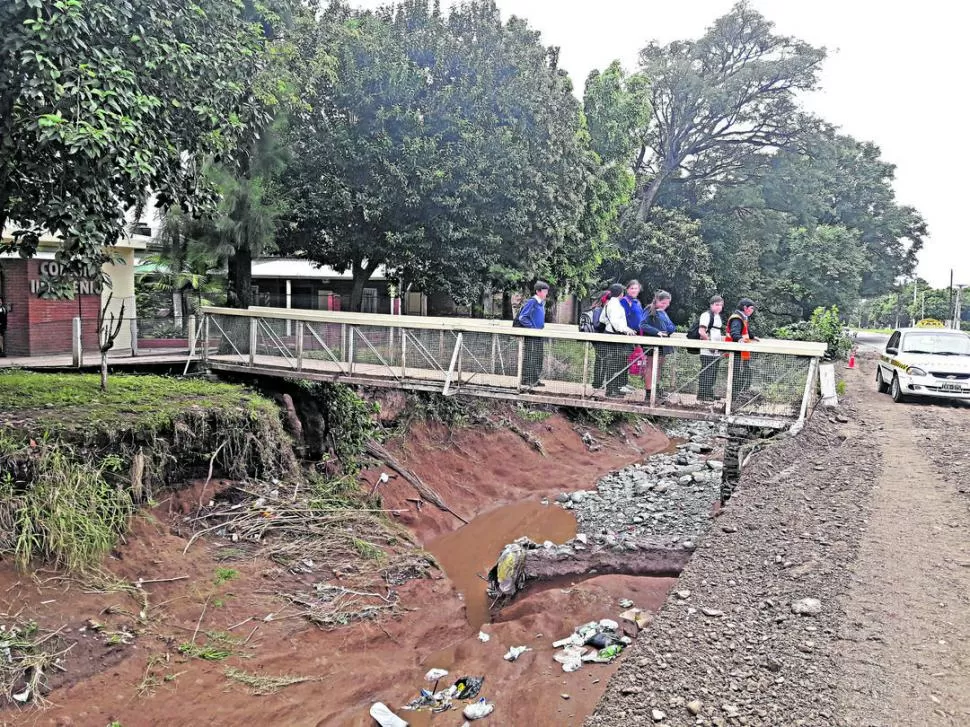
{"points": [[369, 302], [893, 341]]}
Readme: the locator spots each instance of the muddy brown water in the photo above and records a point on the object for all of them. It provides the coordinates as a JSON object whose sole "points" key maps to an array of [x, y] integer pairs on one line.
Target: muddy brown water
{"points": [[467, 554]]}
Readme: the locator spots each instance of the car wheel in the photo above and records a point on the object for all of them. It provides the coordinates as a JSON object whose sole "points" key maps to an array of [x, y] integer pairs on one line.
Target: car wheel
{"points": [[881, 386], [896, 391]]}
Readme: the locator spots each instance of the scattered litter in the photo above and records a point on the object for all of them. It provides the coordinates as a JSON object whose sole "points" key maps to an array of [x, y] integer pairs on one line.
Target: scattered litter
{"points": [[515, 652], [626, 603], [467, 687], [564, 696], [435, 675], [603, 636], [478, 710], [638, 617], [385, 717], [435, 701], [508, 574], [483, 637], [25, 695]]}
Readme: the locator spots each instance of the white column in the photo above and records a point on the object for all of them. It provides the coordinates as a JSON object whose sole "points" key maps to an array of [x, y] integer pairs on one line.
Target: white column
{"points": [[289, 304]]}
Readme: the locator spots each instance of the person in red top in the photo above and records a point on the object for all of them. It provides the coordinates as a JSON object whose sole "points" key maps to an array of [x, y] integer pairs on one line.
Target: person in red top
{"points": [[739, 329]]}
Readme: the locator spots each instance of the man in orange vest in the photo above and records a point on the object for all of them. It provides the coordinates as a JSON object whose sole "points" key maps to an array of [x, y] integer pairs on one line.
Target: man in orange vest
{"points": [[739, 329]]}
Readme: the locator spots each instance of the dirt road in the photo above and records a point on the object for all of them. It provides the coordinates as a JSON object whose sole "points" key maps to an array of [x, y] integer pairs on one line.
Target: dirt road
{"points": [[835, 590], [908, 607]]}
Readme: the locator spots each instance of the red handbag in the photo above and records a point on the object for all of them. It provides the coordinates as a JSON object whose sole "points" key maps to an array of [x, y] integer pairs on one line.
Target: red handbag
{"points": [[637, 361]]}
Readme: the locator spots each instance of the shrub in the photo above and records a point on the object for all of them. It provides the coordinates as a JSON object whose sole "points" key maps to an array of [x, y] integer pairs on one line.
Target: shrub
{"points": [[824, 326]]}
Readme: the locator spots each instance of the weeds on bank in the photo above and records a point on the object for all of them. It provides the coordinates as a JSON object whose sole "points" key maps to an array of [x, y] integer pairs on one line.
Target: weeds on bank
{"points": [[70, 510], [156, 674], [262, 684]]}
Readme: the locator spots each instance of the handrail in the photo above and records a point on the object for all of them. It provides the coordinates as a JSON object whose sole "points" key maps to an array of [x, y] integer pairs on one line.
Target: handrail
{"points": [[556, 332]]}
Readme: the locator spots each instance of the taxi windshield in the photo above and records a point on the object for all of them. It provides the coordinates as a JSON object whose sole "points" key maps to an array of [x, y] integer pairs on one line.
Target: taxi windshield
{"points": [[941, 344]]}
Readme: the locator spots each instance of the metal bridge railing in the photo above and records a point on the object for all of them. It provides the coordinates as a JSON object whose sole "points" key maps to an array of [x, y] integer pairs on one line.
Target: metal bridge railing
{"points": [[768, 382]]}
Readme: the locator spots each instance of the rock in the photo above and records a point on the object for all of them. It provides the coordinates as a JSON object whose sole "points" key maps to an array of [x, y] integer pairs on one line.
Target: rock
{"points": [[583, 538], [729, 529], [715, 465], [630, 690], [699, 476], [658, 715], [807, 607], [683, 595], [712, 612], [686, 480], [695, 706], [562, 497], [578, 496], [564, 696], [626, 603], [661, 488], [730, 710]]}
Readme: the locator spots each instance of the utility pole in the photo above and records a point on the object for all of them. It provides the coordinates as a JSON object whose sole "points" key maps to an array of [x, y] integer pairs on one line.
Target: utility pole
{"points": [[915, 288], [957, 312], [950, 309]]}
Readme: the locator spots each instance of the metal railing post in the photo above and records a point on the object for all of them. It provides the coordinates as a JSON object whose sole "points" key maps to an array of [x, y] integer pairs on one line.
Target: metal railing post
{"points": [[451, 366], [350, 349], [77, 353], [299, 345], [809, 386], [729, 393], [253, 323], [205, 339], [404, 352]]}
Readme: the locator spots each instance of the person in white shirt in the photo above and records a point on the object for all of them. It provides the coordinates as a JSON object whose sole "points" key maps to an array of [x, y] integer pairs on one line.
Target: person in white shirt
{"points": [[614, 316], [710, 328]]}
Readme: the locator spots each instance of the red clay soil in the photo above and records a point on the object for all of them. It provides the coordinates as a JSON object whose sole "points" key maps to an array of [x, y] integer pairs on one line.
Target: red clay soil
{"points": [[353, 666]]}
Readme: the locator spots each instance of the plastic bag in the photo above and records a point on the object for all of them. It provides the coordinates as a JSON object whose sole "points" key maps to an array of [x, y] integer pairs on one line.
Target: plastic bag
{"points": [[468, 687]]}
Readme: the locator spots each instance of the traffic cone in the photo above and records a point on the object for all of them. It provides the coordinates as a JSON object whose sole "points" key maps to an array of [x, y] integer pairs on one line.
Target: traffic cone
{"points": [[851, 364]]}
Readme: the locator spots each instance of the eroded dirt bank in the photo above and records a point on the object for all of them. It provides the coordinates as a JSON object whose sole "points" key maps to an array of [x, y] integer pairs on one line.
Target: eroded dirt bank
{"points": [[133, 672]]}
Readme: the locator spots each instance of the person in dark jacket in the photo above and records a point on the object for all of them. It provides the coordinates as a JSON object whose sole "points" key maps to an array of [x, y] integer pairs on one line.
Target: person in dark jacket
{"points": [[533, 315], [657, 323], [601, 350], [739, 329]]}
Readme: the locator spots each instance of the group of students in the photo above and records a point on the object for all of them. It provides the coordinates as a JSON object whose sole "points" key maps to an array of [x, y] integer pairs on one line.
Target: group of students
{"points": [[620, 312]]}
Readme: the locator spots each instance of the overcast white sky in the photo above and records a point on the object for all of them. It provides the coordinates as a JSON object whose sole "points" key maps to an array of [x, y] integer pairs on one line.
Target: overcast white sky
{"points": [[896, 75]]}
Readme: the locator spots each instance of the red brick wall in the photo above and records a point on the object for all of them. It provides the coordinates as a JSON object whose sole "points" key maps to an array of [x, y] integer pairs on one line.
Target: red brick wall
{"points": [[36, 326]]}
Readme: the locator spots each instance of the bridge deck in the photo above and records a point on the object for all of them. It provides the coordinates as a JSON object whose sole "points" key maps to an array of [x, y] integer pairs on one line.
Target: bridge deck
{"points": [[489, 358]]}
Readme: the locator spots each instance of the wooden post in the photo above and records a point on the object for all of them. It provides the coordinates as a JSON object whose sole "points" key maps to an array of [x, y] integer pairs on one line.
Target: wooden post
{"points": [[350, 349], [205, 339], [133, 328], [77, 353], [729, 394], [299, 345], [451, 366], [192, 330], [585, 367], [518, 370], [404, 352], [494, 351], [654, 371]]}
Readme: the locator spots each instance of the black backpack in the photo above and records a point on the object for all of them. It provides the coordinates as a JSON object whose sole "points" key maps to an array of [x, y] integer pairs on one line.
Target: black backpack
{"points": [[590, 321], [694, 332]]}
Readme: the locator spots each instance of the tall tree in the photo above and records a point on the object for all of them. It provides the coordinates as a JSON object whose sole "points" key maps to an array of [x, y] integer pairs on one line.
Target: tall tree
{"points": [[447, 148], [103, 101], [719, 100]]}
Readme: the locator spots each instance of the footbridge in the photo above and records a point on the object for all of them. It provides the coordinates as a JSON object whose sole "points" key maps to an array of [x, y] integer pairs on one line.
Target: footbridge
{"points": [[766, 383]]}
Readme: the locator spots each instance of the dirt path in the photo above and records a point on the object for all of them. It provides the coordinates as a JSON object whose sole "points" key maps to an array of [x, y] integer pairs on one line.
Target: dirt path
{"points": [[908, 607]]}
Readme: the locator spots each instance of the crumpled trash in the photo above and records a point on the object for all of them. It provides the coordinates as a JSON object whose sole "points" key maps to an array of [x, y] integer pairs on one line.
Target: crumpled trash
{"points": [[478, 710], [508, 574], [467, 687], [483, 637], [435, 674], [382, 714], [601, 639], [571, 658], [515, 652]]}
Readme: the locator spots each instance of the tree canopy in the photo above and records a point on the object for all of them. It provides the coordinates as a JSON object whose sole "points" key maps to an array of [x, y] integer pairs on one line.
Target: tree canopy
{"points": [[102, 102], [450, 149]]}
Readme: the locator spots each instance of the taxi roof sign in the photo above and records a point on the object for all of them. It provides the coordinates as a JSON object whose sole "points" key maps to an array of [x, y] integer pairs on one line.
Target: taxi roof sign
{"points": [[930, 323]]}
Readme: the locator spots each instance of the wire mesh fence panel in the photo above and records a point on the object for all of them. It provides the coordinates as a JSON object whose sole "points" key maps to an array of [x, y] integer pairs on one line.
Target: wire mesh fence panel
{"points": [[324, 345], [426, 351], [230, 335], [565, 366], [372, 350], [276, 339], [769, 384]]}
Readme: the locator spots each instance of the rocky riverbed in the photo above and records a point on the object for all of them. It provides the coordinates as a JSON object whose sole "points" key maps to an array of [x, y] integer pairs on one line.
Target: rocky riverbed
{"points": [[671, 494]]}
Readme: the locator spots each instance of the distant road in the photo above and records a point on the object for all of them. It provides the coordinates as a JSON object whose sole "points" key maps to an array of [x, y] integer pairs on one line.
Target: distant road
{"points": [[868, 339]]}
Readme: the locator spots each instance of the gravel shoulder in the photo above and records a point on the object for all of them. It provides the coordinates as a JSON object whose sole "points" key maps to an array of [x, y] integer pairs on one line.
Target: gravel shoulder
{"points": [[858, 524]]}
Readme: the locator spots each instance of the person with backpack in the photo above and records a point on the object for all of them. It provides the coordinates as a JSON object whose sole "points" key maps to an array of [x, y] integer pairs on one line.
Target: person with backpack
{"points": [[739, 329], [533, 315], [710, 327], [615, 374], [657, 323], [593, 322]]}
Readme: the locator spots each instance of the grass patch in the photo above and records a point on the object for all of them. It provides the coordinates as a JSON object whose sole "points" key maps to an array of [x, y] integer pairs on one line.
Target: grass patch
{"points": [[207, 652], [840, 387], [224, 575], [28, 657], [71, 511], [532, 415], [260, 684]]}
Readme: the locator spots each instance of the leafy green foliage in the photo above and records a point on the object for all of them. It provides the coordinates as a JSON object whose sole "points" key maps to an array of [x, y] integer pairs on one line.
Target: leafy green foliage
{"points": [[721, 100], [224, 575], [448, 148], [349, 422], [826, 326], [102, 101]]}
